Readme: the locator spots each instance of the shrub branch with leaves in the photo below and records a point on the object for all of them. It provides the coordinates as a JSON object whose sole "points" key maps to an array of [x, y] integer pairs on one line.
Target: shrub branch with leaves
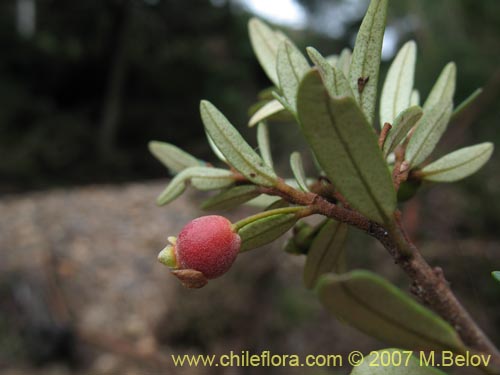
{"points": [[361, 176]]}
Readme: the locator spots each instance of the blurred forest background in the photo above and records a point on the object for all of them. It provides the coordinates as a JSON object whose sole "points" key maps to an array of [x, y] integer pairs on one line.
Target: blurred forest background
{"points": [[84, 85]]}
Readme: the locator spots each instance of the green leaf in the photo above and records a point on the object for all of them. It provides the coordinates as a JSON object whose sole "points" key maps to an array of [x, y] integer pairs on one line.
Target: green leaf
{"points": [[266, 230], [365, 62], [346, 148], [376, 307], [215, 149], [466, 103], [325, 253], [265, 43], [263, 143], [203, 178], [444, 88], [415, 98], [280, 203], [303, 235], [267, 110], [334, 79], [263, 201], [428, 132], [298, 170], [291, 67], [398, 85], [173, 157], [234, 148], [393, 362], [400, 128], [458, 164], [496, 275], [344, 62], [231, 198], [332, 59]]}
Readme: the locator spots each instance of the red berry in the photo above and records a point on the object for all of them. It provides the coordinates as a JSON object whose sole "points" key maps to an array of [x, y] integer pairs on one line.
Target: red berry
{"points": [[207, 244]]}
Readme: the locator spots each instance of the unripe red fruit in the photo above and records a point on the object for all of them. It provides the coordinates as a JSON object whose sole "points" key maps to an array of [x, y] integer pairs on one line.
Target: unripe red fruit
{"points": [[207, 244]]}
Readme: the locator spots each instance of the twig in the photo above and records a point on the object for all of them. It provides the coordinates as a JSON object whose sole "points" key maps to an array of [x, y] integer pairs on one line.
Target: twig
{"points": [[383, 134], [429, 285]]}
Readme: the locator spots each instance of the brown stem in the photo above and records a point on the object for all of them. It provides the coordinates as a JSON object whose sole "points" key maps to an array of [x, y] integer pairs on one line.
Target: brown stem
{"points": [[429, 284], [383, 134]]}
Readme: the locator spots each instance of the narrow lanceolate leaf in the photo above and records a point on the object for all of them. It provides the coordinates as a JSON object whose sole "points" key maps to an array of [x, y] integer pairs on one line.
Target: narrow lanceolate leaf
{"points": [[264, 143], [203, 178], [234, 148], [365, 64], [466, 103], [346, 148], [212, 179], [215, 149], [334, 79], [394, 362], [344, 62], [458, 164], [298, 170], [444, 88], [291, 67], [263, 201], [398, 85], [267, 110], [173, 157], [325, 253], [265, 43], [415, 98], [371, 304], [400, 128], [231, 197], [428, 132], [266, 230]]}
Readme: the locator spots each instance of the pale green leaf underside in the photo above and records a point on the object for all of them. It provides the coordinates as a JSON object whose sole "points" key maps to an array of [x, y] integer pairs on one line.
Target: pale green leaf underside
{"points": [[263, 201], [398, 85], [215, 149], [325, 253], [231, 197], [291, 67], [365, 61], [172, 156], [265, 43], [264, 144], [346, 148], [202, 178], [344, 62], [333, 78], [390, 362], [415, 98], [458, 164], [376, 307], [444, 88], [266, 230], [298, 170], [234, 148], [267, 110], [428, 132], [400, 128]]}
